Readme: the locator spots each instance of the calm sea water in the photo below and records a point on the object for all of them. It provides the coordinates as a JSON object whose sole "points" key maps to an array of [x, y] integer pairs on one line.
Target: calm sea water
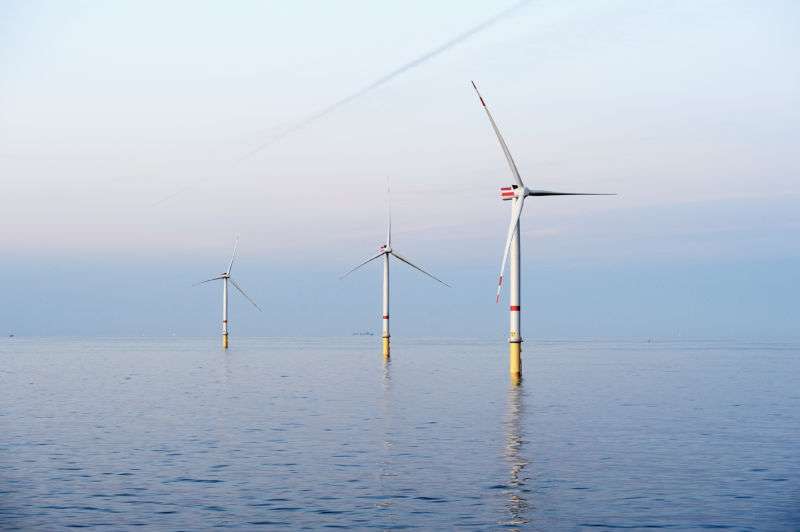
{"points": [[286, 433]]}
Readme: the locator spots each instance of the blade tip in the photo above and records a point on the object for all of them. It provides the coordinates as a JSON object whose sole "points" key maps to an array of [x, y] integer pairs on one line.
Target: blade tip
{"points": [[478, 93]]}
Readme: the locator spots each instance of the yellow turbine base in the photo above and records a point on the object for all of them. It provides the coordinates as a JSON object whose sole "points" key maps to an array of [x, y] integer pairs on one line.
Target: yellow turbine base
{"points": [[515, 361], [225, 341], [385, 347]]}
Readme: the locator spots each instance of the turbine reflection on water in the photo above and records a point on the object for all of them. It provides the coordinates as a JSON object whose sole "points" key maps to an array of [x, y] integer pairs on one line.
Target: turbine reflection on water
{"points": [[386, 474], [518, 507]]}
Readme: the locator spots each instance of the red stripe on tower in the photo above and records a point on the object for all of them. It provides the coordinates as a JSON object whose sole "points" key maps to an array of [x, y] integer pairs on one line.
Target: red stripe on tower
{"points": [[514, 308], [386, 317]]}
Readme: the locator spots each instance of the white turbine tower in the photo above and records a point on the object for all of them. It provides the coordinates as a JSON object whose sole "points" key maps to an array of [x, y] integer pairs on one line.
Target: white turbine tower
{"points": [[385, 251], [517, 194], [226, 277]]}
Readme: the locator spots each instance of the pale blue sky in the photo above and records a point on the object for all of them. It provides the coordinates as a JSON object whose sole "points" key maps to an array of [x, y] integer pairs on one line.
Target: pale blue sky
{"points": [[689, 110]]}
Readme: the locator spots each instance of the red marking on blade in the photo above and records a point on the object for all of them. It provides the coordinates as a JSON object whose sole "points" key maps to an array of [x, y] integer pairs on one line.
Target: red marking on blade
{"points": [[482, 102], [515, 308]]}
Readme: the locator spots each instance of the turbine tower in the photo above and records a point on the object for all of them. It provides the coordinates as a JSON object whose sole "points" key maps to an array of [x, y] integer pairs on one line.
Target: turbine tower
{"points": [[385, 251], [226, 277], [516, 193]]}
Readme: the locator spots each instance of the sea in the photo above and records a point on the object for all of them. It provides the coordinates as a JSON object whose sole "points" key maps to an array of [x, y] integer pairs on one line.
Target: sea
{"points": [[314, 433]]}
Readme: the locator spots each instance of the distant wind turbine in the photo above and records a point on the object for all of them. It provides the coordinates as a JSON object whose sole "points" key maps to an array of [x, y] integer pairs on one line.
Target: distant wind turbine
{"points": [[385, 251], [516, 193], [226, 277]]}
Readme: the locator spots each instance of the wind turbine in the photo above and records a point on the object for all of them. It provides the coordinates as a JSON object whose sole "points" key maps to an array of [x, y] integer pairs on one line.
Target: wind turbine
{"points": [[385, 251], [226, 277], [516, 193]]}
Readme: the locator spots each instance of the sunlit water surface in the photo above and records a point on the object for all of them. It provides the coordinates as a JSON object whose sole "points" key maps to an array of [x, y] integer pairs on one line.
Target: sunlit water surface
{"points": [[287, 433]]}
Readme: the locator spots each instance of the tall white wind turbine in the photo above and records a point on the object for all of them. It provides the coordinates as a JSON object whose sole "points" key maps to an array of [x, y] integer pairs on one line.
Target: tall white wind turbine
{"points": [[516, 193], [386, 251], [226, 278]]}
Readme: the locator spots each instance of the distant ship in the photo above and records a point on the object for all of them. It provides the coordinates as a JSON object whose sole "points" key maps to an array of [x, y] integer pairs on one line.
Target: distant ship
{"points": [[365, 333]]}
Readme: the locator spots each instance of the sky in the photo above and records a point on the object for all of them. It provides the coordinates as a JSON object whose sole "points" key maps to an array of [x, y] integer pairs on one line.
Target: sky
{"points": [[137, 139]]}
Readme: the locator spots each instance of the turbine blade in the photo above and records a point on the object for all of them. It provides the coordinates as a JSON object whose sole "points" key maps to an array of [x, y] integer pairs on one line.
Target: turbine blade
{"points": [[516, 211], [362, 264], [511, 163], [239, 288], [233, 258], [400, 257], [389, 204], [551, 193], [207, 281]]}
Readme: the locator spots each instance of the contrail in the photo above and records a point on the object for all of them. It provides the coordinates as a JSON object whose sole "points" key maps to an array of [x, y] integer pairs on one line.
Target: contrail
{"points": [[388, 77], [370, 87]]}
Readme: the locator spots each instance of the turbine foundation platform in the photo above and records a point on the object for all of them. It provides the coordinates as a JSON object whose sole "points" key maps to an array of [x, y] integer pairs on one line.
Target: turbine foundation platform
{"points": [[385, 347], [515, 361]]}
